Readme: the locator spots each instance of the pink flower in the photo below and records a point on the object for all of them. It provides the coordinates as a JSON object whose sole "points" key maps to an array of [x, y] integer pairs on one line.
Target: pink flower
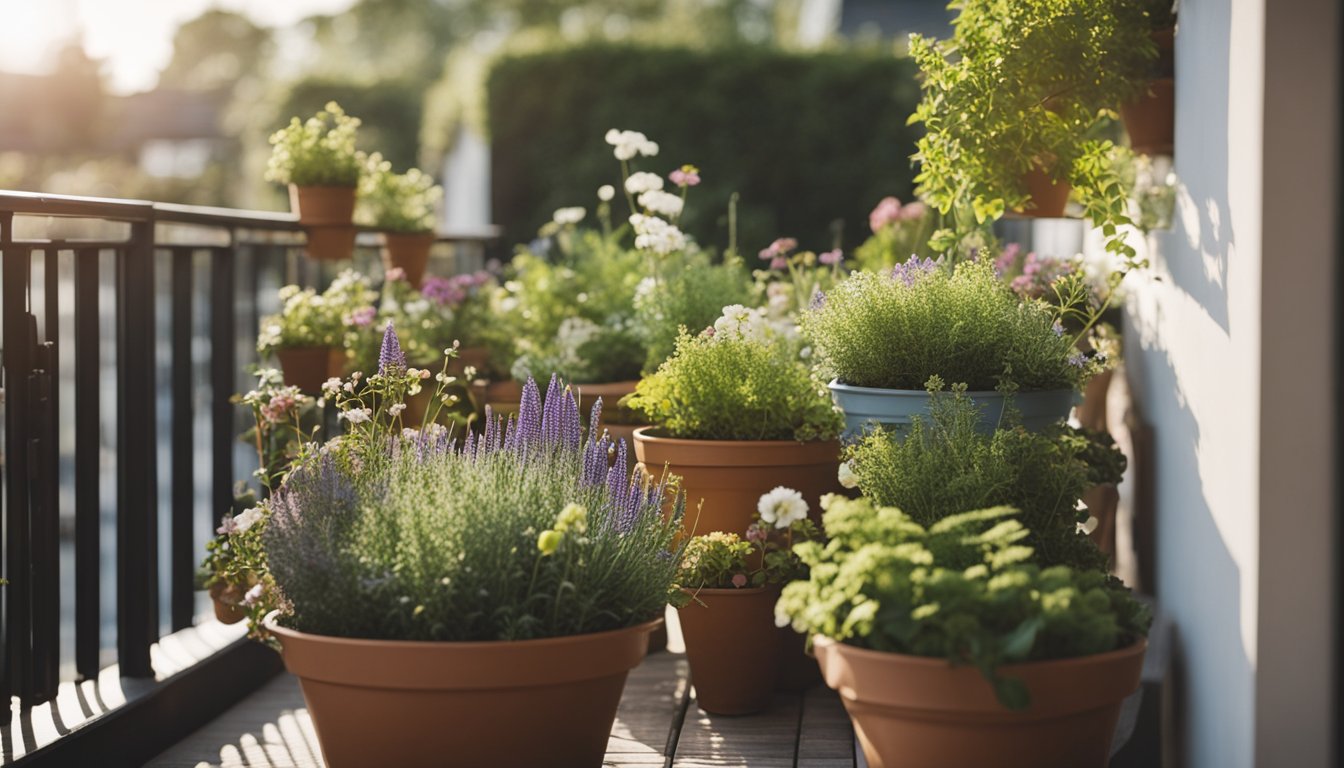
{"points": [[831, 258], [779, 262], [775, 250], [888, 211], [739, 580], [361, 318], [226, 526], [757, 534], [708, 332], [685, 176], [394, 274], [913, 212]]}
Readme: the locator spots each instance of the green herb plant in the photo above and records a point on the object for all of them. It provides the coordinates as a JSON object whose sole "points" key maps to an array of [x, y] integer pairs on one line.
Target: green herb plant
{"points": [[311, 319], [397, 202], [318, 152]]}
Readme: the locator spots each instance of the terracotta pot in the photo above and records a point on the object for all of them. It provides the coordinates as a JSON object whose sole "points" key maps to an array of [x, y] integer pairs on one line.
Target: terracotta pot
{"points": [[408, 251], [733, 647], [915, 712], [501, 396], [1092, 411], [529, 703], [331, 243], [611, 394], [729, 476], [308, 368], [227, 599], [1048, 197], [476, 357], [322, 206], [1150, 119]]}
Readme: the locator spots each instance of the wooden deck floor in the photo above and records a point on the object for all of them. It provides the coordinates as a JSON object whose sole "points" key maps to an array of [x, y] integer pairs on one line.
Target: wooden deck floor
{"points": [[657, 724]]}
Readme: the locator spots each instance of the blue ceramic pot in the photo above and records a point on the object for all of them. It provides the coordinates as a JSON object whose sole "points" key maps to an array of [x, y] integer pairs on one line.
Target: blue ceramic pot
{"points": [[895, 408]]}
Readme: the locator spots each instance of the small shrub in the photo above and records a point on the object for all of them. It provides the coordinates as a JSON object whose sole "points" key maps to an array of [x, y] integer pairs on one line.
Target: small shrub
{"points": [[397, 202], [319, 152], [331, 318]]}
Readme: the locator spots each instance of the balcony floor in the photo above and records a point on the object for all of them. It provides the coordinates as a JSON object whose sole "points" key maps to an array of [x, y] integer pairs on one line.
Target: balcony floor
{"points": [[657, 724]]}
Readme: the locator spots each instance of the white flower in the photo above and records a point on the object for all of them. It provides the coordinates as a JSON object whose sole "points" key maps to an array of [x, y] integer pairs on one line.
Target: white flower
{"points": [[246, 519], [253, 594], [395, 409], [606, 192], [630, 143], [571, 215], [660, 202], [739, 322], [643, 181], [654, 234], [782, 507], [409, 434], [846, 476], [331, 386], [357, 415]]}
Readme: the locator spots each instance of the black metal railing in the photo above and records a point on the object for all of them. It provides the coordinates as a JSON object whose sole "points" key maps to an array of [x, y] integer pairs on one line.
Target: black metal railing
{"points": [[100, 295]]}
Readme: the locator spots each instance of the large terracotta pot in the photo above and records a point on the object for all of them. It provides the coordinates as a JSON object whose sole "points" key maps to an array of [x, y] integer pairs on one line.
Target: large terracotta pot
{"points": [[1048, 196], [474, 357], [408, 251], [726, 478], [1150, 119], [915, 712], [227, 599], [322, 206], [308, 368], [528, 703], [733, 647], [501, 396], [611, 394]]}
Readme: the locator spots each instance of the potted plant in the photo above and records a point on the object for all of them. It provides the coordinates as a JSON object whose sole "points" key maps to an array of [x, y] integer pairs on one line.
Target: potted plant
{"points": [[439, 598], [899, 232], [729, 584], [734, 413], [318, 160], [1150, 118], [402, 206], [883, 335], [947, 463], [1009, 109], [310, 334], [950, 646]]}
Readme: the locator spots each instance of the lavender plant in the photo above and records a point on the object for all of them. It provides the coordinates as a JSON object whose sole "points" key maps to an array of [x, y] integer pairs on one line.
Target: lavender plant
{"points": [[524, 530]]}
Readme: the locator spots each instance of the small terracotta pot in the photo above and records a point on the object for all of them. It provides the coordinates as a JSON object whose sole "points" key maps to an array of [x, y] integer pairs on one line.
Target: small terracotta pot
{"points": [[308, 368], [1048, 196], [501, 396], [528, 703], [1150, 119], [729, 476], [331, 243], [322, 206], [733, 647], [227, 599], [410, 252], [915, 712], [475, 357]]}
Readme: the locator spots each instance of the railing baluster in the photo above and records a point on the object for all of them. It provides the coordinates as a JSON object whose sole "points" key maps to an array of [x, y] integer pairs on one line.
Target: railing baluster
{"points": [[44, 506], [88, 450], [223, 337], [18, 668], [183, 545], [137, 510]]}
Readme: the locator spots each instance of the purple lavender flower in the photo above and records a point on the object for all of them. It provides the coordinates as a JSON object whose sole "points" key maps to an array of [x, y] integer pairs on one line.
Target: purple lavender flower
{"points": [[818, 300], [391, 360], [913, 269], [1077, 359]]}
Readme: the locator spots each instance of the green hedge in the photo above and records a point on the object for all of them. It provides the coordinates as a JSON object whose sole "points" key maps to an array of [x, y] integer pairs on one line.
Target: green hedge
{"points": [[806, 138]]}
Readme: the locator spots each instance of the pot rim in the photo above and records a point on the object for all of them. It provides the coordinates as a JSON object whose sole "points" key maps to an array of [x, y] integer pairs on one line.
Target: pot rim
{"points": [[1134, 648], [836, 385], [646, 434], [323, 186], [272, 626], [717, 591]]}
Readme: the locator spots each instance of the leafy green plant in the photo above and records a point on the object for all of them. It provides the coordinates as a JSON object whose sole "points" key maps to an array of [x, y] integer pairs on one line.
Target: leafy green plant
{"points": [[331, 318], [896, 329], [523, 531], [762, 555], [735, 381], [397, 202], [318, 152], [1020, 88], [944, 466], [964, 588], [691, 293]]}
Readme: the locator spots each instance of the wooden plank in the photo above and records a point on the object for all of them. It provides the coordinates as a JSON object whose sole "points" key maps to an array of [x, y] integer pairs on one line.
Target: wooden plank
{"points": [[825, 735], [655, 694], [764, 740]]}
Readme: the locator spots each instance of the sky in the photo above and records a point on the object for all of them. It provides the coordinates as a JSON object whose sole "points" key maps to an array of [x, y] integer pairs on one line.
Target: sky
{"points": [[132, 37]]}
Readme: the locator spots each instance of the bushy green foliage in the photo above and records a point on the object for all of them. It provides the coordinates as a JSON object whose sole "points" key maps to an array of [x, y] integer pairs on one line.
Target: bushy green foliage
{"points": [[761, 120], [692, 292], [389, 111], [761, 555], [396, 202], [896, 329], [1021, 86], [308, 318], [945, 466], [736, 383], [964, 588], [523, 533], [317, 152]]}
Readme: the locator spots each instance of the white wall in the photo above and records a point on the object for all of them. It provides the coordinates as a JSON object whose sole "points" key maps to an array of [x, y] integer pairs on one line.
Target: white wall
{"points": [[1193, 352], [1230, 346]]}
